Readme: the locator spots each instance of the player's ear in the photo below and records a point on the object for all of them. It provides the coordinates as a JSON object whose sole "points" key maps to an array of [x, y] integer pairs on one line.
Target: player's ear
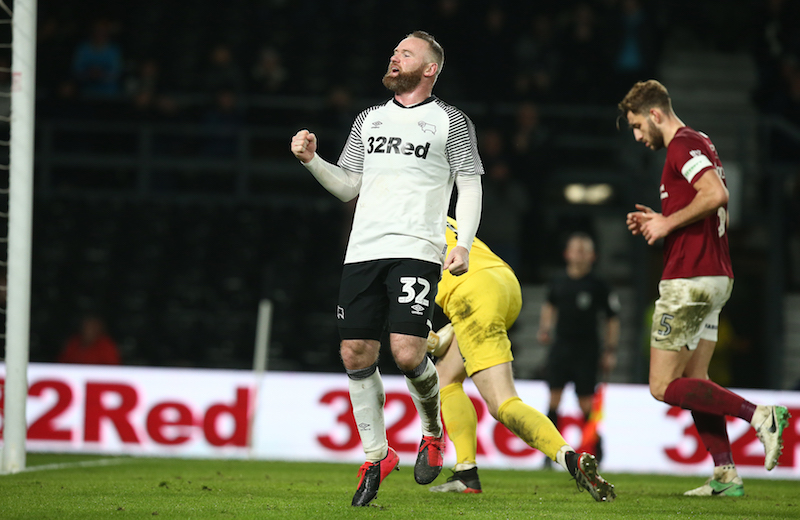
{"points": [[656, 115], [431, 69]]}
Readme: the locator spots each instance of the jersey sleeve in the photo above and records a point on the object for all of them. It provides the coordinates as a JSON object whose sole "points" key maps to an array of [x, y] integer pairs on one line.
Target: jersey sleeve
{"points": [[462, 145], [352, 157], [689, 156]]}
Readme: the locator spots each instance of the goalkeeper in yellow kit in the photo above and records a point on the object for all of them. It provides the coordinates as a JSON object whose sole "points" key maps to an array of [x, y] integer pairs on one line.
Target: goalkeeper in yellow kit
{"points": [[481, 305]]}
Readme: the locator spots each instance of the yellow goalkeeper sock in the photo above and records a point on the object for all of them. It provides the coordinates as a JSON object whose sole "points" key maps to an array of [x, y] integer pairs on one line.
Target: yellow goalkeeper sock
{"points": [[531, 426], [461, 422]]}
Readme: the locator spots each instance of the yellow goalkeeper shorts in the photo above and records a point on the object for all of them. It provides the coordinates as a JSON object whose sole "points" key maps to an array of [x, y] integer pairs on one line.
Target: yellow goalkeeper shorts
{"points": [[481, 309]]}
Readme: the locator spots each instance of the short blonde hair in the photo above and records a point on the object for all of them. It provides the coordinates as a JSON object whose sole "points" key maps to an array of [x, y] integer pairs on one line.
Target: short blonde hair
{"points": [[436, 50]]}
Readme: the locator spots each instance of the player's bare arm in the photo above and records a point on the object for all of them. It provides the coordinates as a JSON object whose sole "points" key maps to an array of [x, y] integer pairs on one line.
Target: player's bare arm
{"points": [[304, 145], [547, 320], [711, 195], [457, 261]]}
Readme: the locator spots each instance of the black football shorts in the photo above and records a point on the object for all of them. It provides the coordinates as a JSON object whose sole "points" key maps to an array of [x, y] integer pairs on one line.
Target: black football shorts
{"points": [[396, 294]]}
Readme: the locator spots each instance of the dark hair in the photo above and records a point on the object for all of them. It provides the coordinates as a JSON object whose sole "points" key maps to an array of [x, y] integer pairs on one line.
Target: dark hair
{"points": [[645, 95], [436, 49], [580, 235]]}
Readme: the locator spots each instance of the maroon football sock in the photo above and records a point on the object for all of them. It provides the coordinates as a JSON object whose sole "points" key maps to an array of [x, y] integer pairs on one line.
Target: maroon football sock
{"points": [[714, 435], [702, 395]]}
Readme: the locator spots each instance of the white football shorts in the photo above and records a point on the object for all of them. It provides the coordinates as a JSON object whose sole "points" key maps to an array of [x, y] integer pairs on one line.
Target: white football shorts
{"points": [[687, 311]]}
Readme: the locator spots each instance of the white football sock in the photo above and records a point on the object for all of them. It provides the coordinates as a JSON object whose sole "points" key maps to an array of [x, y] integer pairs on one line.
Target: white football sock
{"points": [[561, 456], [368, 397], [425, 394]]}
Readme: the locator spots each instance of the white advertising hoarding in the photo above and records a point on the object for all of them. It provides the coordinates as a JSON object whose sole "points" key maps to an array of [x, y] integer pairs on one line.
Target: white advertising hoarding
{"points": [[306, 416], [139, 411]]}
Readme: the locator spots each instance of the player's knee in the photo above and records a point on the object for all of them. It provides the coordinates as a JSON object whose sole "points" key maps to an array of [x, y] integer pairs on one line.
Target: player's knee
{"points": [[357, 354], [408, 359]]}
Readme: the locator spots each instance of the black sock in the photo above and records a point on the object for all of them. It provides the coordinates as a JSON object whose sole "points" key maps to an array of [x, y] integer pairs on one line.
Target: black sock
{"points": [[571, 458]]}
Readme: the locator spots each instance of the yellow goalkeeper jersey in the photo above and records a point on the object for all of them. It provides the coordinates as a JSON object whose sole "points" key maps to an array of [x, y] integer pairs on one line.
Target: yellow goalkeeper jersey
{"points": [[480, 257]]}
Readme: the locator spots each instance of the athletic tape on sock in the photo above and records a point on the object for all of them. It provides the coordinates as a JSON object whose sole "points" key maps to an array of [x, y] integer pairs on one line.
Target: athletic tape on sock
{"points": [[362, 373], [416, 372]]}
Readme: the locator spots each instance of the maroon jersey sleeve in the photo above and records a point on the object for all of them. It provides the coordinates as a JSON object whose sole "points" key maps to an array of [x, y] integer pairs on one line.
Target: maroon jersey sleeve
{"points": [[701, 248], [691, 155]]}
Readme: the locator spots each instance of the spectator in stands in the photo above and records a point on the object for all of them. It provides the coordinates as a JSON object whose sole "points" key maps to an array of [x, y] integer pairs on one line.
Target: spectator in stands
{"points": [[222, 71], [538, 56], [498, 38], [585, 79], [530, 138], [142, 88], [97, 62], [223, 121], [339, 111], [636, 52], [145, 79], [775, 40], [269, 75], [91, 345], [451, 23]]}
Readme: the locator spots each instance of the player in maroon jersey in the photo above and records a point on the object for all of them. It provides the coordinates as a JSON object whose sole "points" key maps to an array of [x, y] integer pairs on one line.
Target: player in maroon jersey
{"points": [[696, 283]]}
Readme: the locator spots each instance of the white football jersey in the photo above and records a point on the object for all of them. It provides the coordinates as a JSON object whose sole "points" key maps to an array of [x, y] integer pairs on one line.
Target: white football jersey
{"points": [[408, 158]]}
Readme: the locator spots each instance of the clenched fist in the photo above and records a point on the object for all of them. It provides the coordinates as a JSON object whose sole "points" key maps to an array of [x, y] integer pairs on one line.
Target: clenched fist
{"points": [[304, 145]]}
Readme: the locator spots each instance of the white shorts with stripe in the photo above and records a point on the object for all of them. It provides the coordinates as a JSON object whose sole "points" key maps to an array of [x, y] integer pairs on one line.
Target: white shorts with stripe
{"points": [[687, 311]]}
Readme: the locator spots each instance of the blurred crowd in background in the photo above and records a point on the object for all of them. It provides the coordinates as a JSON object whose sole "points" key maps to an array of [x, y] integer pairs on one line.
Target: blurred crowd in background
{"points": [[284, 65], [154, 55]]}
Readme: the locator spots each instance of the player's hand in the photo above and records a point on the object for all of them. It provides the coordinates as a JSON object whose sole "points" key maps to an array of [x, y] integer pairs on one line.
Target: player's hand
{"points": [[655, 226], [457, 261], [304, 145], [635, 219]]}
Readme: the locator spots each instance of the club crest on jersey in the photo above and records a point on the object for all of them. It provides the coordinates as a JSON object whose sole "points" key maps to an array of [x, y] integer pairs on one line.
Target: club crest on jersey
{"points": [[382, 144], [427, 127]]}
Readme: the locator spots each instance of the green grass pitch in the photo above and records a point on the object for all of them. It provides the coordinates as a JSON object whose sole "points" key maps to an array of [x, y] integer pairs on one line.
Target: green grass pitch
{"points": [[87, 487]]}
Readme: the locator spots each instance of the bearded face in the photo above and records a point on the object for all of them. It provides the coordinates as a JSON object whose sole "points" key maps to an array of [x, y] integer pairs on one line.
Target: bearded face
{"points": [[404, 81], [655, 137]]}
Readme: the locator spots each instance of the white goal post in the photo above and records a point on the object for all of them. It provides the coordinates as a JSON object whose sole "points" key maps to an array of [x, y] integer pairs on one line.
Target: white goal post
{"points": [[20, 217]]}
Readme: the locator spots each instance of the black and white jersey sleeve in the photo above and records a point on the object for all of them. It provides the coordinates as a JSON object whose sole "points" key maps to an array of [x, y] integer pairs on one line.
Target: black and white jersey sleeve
{"points": [[462, 143]]}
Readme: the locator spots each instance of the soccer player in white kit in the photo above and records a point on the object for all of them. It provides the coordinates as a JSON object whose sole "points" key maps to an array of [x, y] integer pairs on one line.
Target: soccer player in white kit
{"points": [[401, 159], [695, 285]]}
